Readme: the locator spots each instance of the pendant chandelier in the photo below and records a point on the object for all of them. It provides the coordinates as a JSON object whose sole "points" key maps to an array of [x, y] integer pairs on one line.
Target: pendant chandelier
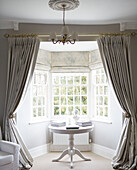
{"points": [[63, 5]]}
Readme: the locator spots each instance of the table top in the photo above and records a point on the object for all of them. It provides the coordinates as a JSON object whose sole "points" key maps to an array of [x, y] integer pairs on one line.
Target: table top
{"points": [[63, 130]]}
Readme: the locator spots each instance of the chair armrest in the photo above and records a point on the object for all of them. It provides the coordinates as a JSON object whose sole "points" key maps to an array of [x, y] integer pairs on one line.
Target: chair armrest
{"points": [[9, 147]]}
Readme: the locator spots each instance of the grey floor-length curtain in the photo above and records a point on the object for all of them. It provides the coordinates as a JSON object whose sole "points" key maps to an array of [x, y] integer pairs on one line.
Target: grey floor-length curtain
{"points": [[22, 56], [116, 58]]}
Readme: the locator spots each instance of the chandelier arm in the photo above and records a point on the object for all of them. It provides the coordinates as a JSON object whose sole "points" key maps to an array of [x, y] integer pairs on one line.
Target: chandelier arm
{"points": [[71, 42], [55, 42]]}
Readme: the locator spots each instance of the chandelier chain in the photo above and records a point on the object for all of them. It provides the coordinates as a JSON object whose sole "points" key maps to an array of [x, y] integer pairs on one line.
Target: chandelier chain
{"points": [[64, 15]]}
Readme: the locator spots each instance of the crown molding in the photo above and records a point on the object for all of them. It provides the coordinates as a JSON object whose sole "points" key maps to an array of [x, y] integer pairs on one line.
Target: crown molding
{"points": [[128, 26], [9, 25], [15, 25]]}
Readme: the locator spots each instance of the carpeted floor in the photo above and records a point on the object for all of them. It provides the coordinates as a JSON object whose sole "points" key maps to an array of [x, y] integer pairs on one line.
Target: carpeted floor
{"points": [[45, 162]]}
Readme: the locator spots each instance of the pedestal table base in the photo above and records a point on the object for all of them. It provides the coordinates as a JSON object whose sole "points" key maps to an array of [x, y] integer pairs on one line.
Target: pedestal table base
{"points": [[71, 151]]}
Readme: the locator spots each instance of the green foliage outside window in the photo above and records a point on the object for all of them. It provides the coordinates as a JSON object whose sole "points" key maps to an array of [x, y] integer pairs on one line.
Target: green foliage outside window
{"points": [[70, 93]]}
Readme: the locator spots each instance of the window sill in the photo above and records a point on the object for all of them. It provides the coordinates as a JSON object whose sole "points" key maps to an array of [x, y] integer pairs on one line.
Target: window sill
{"points": [[39, 121], [102, 121]]}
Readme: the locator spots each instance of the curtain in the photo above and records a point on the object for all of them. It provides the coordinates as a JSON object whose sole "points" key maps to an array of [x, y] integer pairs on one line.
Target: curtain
{"points": [[21, 62], [116, 58]]}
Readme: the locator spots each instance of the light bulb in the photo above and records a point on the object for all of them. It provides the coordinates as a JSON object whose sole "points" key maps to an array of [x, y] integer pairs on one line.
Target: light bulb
{"points": [[65, 30], [52, 36], [74, 36]]}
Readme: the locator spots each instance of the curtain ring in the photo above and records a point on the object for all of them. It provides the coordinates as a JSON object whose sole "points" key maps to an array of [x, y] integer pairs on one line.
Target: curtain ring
{"points": [[11, 116], [127, 115]]}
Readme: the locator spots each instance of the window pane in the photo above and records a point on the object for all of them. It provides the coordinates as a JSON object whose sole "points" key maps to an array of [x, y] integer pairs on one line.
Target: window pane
{"points": [[39, 90], [77, 90], [97, 71], [78, 108], [39, 112], [84, 100], [106, 112], [34, 112], [56, 80], [97, 101], [70, 100], [77, 80], [70, 90], [63, 110], [34, 78], [56, 90], [63, 100], [39, 101], [96, 90], [70, 80], [97, 111], [34, 90], [77, 100], [105, 100], [84, 110], [56, 110], [102, 70], [43, 100], [101, 111], [56, 100], [63, 80], [44, 79], [83, 90], [70, 110], [39, 78], [100, 100], [34, 101], [97, 79], [100, 89], [83, 80], [105, 90], [103, 79], [63, 90], [44, 111]]}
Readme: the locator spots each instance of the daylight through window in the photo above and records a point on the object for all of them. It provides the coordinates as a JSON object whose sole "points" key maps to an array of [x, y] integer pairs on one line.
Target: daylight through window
{"points": [[39, 89], [100, 94], [70, 92]]}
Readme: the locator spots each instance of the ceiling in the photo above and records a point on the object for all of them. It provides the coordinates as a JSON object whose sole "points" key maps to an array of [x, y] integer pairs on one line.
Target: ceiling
{"points": [[79, 46], [88, 12]]}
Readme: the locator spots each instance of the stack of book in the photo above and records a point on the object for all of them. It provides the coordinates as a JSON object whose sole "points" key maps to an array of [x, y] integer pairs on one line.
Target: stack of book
{"points": [[58, 123], [84, 123]]}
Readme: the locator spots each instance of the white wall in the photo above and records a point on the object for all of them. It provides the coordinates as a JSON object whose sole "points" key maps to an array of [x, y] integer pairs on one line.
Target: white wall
{"points": [[107, 134], [34, 134]]}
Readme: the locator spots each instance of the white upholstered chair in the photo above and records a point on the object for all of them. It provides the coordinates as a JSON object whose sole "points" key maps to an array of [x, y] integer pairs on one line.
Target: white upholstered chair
{"points": [[9, 155]]}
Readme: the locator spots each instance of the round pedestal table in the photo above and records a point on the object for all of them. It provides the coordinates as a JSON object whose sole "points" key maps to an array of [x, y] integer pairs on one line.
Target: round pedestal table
{"points": [[71, 150]]}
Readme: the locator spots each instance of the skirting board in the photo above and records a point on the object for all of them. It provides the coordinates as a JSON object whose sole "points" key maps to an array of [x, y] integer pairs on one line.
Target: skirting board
{"points": [[102, 151], [97, 149], [57, 148], [40, 150]]}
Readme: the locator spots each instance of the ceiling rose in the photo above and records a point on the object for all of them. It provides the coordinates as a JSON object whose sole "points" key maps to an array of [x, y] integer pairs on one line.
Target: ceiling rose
{"points": [[58, 4]]}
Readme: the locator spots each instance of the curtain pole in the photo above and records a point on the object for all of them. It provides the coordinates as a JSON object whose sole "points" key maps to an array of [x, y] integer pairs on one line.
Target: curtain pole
{"points": [[89, 34]]}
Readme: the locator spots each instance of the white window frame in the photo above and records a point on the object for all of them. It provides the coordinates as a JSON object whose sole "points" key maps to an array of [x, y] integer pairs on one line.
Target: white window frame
{"points": [[94, 117], [46, 116], [52, 96]]}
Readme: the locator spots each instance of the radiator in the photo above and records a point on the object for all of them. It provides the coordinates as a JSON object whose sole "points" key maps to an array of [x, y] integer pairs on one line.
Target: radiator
{"points": [[79, 139]]}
